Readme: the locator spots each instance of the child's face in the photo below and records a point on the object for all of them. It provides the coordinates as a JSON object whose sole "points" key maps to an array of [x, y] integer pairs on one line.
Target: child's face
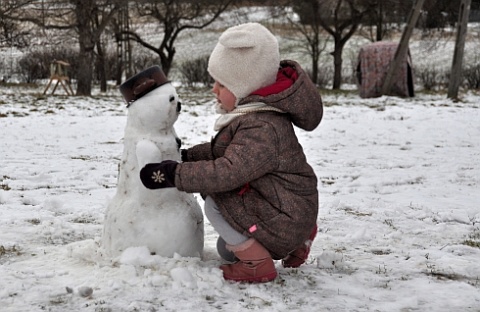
{"points": [[224, 96]]}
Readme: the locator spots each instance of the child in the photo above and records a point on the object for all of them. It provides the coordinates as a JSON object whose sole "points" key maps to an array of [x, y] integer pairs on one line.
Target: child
{"points": [[260, 193]]}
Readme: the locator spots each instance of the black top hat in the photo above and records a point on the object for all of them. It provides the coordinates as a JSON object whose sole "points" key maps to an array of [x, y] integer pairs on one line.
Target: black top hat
{"points": [[142, 83]]}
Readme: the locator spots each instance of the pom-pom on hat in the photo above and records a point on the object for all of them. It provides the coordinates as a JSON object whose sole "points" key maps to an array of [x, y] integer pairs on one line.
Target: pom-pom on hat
{"points": [[142, 83], [246, 58]]}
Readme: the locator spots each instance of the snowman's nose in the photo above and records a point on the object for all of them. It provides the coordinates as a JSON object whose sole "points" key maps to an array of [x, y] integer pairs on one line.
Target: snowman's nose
{"points": [[179, 142]]}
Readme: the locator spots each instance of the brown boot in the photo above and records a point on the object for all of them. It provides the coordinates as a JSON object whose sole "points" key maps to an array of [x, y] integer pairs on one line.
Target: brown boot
{"points": [[255, 265]]}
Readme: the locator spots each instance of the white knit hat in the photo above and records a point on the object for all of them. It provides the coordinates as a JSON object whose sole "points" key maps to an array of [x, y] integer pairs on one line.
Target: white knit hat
{"points": [[246, 58]]}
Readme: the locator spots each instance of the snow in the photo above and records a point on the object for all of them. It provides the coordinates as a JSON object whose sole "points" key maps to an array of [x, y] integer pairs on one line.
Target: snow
{"points": [[399, 200]]}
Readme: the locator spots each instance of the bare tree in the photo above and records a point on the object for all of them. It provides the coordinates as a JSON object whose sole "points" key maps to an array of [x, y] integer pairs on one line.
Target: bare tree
{"points": [[91, 19], [175, 16], [341, 19], [11, 33], [382, 15], [341, 22], [456, 73], [308, 26], [87, 18], [439, 13], [121, 26]]}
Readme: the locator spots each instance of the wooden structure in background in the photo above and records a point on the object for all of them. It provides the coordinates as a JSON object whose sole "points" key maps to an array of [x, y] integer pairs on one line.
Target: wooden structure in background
{"points": [[374, 60], [58, 72]]}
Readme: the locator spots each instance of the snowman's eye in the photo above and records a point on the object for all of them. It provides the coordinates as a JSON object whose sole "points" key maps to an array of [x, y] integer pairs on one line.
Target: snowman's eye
{"points": [[179, 104]]}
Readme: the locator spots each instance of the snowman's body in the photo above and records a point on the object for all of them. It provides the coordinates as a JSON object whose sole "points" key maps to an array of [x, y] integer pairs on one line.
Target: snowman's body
{"points": [[167, 221]]}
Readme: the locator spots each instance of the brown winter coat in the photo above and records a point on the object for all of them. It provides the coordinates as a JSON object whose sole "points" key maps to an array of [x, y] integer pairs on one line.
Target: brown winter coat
{"points": [[256, 171]]}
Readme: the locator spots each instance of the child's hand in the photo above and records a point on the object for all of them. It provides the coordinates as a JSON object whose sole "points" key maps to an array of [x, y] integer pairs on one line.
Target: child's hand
{"points": [[159, 175]]}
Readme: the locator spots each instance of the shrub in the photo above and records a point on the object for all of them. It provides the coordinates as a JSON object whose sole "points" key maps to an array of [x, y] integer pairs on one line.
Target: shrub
{"points": [[472, 77], [143, 59], [35, 65], [324, 76], [195, 71], [430, 77]]}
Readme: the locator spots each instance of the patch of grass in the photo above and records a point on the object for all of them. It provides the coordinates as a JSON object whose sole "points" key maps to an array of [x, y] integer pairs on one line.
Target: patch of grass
{"points": [[357, 213], [441, 92], [328, 180], [34, 221], [382, 270], [379, 252], [82, 157], [21, 85], [471, 243], [447, 276], [85, 220], [7, 251], [337, 92], [4, 186], [389, 222], [19, 114], [473, 239]]}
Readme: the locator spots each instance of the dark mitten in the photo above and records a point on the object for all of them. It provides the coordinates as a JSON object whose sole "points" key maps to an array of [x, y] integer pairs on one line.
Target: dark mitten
{"points": [[184, 154], [159, 175]]}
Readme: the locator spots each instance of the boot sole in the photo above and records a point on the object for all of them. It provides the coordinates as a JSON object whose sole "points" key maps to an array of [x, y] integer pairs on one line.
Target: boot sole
{"points": [[258, 279]]}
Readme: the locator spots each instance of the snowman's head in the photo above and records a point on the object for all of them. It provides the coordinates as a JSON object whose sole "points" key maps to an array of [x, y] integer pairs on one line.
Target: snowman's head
{"points": [[152, 101], [157, 110]]}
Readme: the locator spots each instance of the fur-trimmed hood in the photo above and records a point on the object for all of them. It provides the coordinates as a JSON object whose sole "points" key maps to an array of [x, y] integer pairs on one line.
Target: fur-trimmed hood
{"points": [[302, 100]]}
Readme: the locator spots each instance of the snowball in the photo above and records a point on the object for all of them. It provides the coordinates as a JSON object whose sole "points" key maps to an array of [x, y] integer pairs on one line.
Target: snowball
{"points": [[137, 256], [330, 260], [183, 277]]}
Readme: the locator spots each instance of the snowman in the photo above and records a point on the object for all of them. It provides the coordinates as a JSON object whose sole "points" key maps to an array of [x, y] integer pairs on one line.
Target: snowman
{"points": [[166, 221]]}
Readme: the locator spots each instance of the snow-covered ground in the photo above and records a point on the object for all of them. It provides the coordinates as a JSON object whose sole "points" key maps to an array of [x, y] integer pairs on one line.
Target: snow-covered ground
{"points": [[399, 222]]}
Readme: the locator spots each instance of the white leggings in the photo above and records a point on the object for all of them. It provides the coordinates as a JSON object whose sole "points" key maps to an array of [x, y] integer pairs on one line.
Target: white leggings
{"points": [[226, 232]]}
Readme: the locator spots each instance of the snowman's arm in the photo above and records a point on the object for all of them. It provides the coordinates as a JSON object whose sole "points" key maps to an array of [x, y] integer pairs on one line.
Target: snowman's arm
{"points": [[147, 152]]}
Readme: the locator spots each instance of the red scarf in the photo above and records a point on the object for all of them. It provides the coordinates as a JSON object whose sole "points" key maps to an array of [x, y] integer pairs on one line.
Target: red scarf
{"points": [[286, 76]]}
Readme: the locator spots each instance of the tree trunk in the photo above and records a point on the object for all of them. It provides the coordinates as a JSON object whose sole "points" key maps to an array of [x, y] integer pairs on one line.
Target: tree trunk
{"points": [[380, 21], [402, 50], [85, 72], [118, 74], [314, 69], [315, 54], [166, 64], [457, 64], [337, 63], [101, 68], [86, 46]]}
